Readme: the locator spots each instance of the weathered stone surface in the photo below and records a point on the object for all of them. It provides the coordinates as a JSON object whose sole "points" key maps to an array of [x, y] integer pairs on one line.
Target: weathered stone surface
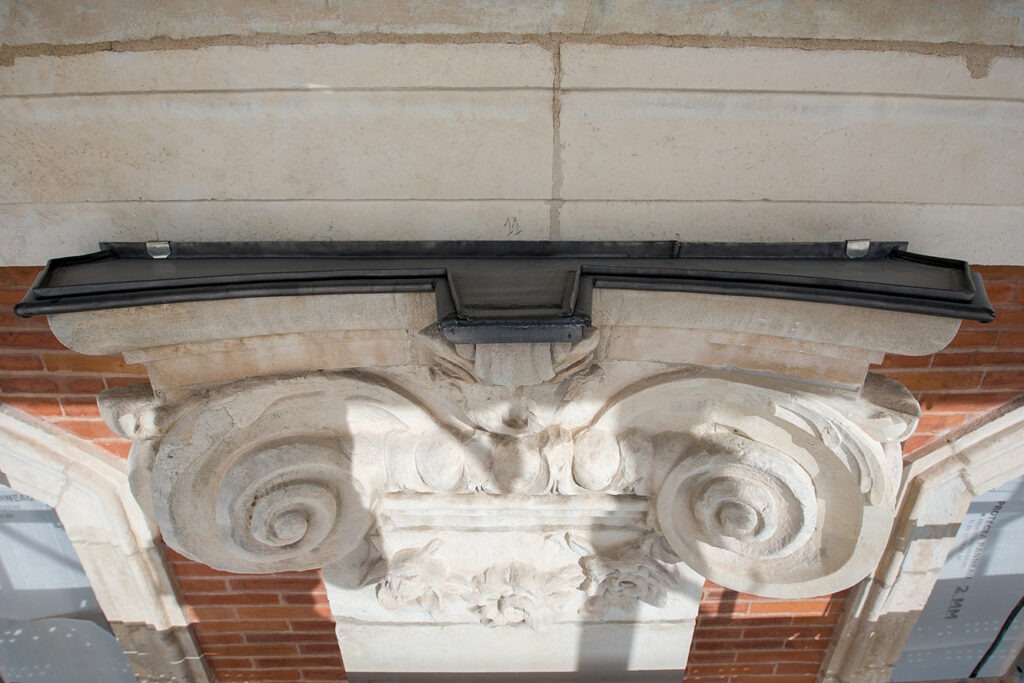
{"points": [[848, 327], [260, 479], [150, 328], [275, 145], [205, 342], [584, 490], [79, 227], [929, 228], [592, 514], [880, 73], [441, 140], [996, 22], [725, 146], [959, 21], [50, 22], [443, 423], [299, 68]]}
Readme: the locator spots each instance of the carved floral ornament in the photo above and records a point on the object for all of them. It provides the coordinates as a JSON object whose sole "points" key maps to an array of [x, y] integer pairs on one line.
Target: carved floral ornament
{"points": [[760, 483]]}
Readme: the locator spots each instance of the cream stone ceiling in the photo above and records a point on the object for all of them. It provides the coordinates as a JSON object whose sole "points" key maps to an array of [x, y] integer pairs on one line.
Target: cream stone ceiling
{"points": [[694, 121]]}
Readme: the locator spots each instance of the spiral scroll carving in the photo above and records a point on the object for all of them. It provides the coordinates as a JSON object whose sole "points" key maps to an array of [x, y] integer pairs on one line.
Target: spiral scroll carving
{"points": [[261, 479], [762, 490], [743, 497], [283, 500]]}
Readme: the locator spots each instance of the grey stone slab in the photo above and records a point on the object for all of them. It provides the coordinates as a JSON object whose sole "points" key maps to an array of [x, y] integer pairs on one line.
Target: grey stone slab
{"points": [[782, 147], [291, 67], [992, 22], [651, 67], [271, 145]]}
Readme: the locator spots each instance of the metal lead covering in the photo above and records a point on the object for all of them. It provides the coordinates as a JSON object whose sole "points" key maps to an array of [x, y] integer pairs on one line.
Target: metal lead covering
{"points": [[509, 291]]}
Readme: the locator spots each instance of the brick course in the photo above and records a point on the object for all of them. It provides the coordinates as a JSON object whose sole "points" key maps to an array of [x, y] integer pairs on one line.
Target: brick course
{"points": [[260, 627], [981, 370]]}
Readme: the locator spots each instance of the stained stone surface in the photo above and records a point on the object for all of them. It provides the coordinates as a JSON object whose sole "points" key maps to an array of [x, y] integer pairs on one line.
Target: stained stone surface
{"points": [[994, 22]]}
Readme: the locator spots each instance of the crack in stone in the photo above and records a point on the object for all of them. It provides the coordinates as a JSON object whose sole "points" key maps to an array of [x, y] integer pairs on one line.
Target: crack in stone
{"points": [[555, 206]]}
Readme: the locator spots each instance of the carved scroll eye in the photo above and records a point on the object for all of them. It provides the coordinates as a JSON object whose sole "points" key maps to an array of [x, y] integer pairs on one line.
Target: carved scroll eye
{"points": [[743, 497], [260, 479], [762, 519], [282, 500], [272, 507]]}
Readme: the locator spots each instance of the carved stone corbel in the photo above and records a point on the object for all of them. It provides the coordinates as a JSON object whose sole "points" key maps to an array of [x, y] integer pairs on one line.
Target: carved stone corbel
{"points": [[542, 498]]}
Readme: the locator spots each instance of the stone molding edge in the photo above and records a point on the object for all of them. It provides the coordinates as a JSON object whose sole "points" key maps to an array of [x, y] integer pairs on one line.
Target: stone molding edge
{"points": [[116, 544], [938, 488]]}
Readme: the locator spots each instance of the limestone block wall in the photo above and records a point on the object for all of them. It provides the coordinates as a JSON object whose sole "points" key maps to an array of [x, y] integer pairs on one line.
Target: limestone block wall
{"points": [[468, 121]]}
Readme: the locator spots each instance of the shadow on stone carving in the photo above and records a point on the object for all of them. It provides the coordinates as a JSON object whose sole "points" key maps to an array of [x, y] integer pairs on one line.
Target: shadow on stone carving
{"points": [[616, 588]]}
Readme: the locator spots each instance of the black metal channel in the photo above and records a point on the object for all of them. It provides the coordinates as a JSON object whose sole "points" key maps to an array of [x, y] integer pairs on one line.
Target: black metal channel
{"points": [[510, 291]]}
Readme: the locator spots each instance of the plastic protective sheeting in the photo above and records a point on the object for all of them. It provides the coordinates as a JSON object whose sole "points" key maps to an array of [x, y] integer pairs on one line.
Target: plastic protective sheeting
{"points": [[982, 580], [40, 575], [60, 651]]}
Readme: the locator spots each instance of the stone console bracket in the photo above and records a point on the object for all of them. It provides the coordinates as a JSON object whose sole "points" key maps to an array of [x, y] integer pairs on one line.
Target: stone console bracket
{"points": [[509, 292], [536, 447]]}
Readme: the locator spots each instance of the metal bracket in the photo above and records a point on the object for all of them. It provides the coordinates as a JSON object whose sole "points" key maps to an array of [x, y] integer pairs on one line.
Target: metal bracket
{"points": [[858, 248], [158, 249]]}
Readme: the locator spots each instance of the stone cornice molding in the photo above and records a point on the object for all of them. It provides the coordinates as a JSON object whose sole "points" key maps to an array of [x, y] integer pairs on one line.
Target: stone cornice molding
{"points": [[937, 491], [115, 542]]}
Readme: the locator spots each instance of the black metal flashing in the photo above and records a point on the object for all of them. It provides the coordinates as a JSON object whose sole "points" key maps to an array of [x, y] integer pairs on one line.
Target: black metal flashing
{"points": [[509, 291]]}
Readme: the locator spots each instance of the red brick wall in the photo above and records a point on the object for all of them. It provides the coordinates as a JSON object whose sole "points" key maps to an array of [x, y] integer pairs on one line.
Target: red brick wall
{"points": [[742, 637], [278, 627], [261, 627], [982, 369], [40, 376]]}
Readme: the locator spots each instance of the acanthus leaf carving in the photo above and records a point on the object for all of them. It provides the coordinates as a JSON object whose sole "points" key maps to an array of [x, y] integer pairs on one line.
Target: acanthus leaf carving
{"points": [[619, 578], [508, 594], [520, 593], [416, 575]]}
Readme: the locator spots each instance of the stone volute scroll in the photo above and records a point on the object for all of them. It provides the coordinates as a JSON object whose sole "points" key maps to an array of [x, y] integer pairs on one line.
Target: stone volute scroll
{"points": [[549, 463]]}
